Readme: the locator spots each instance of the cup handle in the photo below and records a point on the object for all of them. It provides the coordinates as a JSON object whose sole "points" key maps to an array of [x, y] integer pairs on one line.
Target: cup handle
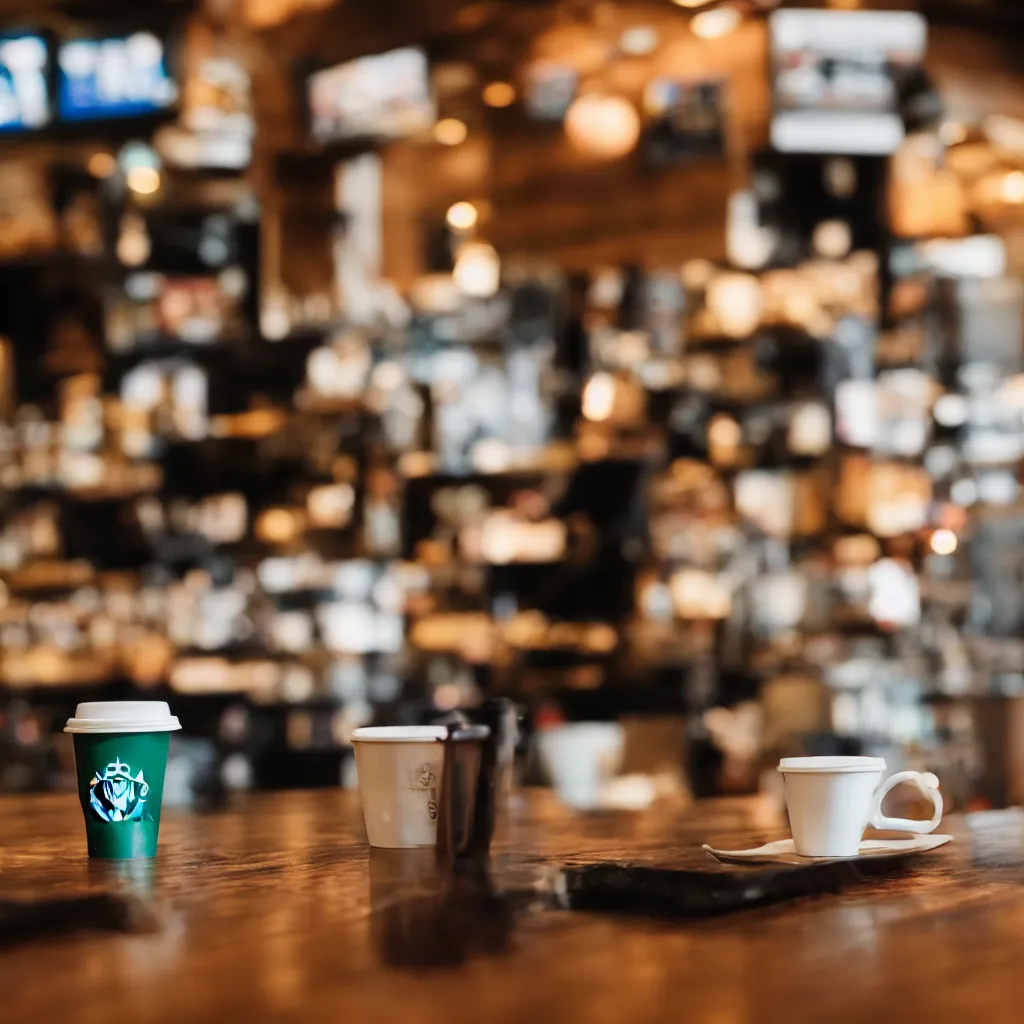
{"points": [[929, 786]]}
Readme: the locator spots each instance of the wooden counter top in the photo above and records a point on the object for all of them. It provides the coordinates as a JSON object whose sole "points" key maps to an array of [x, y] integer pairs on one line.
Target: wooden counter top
{"points": [[274, 911]]}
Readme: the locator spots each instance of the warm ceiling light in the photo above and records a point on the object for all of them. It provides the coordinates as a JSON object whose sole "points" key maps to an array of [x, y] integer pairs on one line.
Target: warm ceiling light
{"points": [[275, 320], [603, 126], [143, 180], [832, 239], [599, 397], [461, 216], [736, 303], [697, 273], [331, 505], [715, 24], [435, 293], [724, 432], [944, 542], [477, 270], [490, 455], [277, 526], [102, 165], [639, 40], [699, 595], [860, 549], [747, 243], [810, 430], [133, 243], [952, 134], [499, 94], [1012, 188], [690, 3], [450, 132]]}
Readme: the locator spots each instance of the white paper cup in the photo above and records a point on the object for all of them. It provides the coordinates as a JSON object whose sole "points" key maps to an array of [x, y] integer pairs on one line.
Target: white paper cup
{"points": [[580, 758], [400, 769], [120, 761]]}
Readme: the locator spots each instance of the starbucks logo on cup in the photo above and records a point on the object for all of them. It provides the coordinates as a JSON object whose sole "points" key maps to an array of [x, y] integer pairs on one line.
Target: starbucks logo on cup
{"points": [[117, 795], [424, 779]]}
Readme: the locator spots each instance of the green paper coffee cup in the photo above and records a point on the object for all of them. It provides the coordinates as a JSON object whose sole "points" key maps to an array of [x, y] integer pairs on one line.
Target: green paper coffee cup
{"points": [[120, 760]]}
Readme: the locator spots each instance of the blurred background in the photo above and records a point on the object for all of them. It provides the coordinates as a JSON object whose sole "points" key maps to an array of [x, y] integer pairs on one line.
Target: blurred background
{"points": [[657, 364]]}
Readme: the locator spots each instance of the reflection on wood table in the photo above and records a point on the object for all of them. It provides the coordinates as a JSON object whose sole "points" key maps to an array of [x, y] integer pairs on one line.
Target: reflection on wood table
{"points": [[275, 910]]}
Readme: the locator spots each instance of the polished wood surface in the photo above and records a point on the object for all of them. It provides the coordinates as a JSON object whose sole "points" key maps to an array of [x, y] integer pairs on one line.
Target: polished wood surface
{"points": [[275, 910]]}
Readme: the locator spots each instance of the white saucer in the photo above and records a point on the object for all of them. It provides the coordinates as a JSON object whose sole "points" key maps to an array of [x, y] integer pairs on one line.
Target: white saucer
{"points": [[784, 852]]}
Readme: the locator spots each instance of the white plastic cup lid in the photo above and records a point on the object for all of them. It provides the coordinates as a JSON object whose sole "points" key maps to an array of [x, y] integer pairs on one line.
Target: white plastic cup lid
{"points": [[123, 716], [416, 733]]}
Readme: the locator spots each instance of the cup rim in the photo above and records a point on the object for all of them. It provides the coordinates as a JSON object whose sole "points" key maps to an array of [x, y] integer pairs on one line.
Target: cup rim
{"points": [[830, 765], [416, 733], [122, 716], [597, 728]]}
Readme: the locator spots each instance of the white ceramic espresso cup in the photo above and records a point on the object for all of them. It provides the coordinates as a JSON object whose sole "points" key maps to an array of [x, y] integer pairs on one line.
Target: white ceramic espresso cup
{"points": [[831, 800], [580, 758], [400, 771]]}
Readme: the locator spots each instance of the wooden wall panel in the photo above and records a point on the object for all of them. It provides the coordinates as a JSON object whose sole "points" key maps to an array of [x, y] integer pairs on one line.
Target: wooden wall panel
{"points": [[550, 200], [539, 197]]}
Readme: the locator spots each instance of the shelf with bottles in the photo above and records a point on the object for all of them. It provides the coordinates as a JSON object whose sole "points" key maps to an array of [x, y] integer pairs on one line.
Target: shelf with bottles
{"points": [[213, 338], [168, 350], [70, 260], [274, 603], [51, 212]]}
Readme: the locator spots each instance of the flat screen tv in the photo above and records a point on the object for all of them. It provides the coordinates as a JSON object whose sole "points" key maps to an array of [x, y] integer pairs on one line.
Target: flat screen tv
{"points": [[24, 93], [834, 80], [687, 120], [116, 77], [385, 96]]}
